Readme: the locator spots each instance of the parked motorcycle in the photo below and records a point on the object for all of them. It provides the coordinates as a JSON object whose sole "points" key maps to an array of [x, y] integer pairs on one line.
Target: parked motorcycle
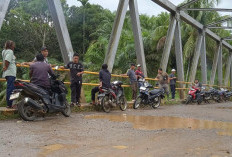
{"points": [[206, 95], [194, 95], [110, 98], [33, 101], [147, 97], [225, 94]]}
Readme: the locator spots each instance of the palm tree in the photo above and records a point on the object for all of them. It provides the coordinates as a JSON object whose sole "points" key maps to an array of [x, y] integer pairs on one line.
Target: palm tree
{"points": [[84, 3]]}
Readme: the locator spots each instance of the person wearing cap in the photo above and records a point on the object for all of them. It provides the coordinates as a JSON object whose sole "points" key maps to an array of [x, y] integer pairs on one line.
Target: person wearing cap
{"points": [[139, 74], [133, 80], [172, 79], [44, 52]]}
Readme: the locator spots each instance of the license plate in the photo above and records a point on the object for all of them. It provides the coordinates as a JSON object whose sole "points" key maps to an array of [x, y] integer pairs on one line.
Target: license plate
{"points": [[14, 96]]}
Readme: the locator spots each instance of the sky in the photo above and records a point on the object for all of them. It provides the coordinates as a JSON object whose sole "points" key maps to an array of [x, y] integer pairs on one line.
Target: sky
{"points": [[146, 6]]}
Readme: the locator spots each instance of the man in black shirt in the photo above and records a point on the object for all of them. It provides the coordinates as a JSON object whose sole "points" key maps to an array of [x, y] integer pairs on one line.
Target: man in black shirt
{"points": [[105, 78], [76, 71]]}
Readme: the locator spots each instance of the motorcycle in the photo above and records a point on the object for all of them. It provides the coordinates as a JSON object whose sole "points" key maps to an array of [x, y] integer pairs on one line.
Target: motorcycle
{"points": [[109, 98], [225, 94], [194, 95], [33, 101], [147, 97], [207, 95]]}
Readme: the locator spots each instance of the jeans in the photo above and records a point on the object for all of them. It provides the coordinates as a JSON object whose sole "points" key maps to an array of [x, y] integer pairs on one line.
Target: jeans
{"points": [[93, 92], [76, 91], [10, 87], [173, 90]]}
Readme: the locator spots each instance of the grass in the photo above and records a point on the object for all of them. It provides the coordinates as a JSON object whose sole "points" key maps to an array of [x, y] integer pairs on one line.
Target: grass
{"points": [[7, 117]]}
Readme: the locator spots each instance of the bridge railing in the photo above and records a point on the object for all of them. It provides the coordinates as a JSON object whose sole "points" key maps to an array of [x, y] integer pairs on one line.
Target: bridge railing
{"points": [[113, 75]]}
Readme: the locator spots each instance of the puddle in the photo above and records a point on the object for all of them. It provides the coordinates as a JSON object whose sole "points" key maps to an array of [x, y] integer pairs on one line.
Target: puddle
{"points": [[225, 108], [120, 147], [158, 123], [55, 147]]}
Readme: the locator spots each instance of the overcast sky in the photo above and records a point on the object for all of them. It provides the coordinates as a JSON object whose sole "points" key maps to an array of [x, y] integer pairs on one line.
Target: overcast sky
{"points": [[145, 6]]}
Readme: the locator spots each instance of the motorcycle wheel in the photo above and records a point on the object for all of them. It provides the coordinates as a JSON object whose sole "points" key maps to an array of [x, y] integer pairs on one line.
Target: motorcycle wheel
{"points": [[105, 104], [189, 99], [199, 101], [156, 104], [26, 112], [67, 111], [122, 103], [137, 102]]}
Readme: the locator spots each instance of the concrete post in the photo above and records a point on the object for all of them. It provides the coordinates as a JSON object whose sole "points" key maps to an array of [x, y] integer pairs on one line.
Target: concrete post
{"points": [[168, 43], [134, 13], [196, 58], [203, 61], [61, 29], [116, 32], [220, 75], [179, 57], [214, 67], [4, 4], [228, 66]]}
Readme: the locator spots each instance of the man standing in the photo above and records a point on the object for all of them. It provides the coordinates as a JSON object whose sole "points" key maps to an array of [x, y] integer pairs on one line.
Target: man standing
{"points": [[172, 79], [139, 74], [9, 69], [44, 52], [76, 71], [105, 79], [133, 80], [163, 80]]}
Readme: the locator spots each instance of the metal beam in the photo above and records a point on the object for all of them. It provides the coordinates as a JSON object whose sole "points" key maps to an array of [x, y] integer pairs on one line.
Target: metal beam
{"points": [[196, 57], [116, 33], [208, 9], [179, 57], [218, 22], [134, 13], [168, 43], [230, 72], [61, 29], [214, 67], [187, 4], [203, 61], [227, 73], [220, 75], [4, 4], [188, 19], [219, 27]]}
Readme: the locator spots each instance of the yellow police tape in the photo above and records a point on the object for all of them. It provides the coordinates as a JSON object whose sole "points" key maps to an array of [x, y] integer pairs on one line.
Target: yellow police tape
{"points": [[113, 75]]}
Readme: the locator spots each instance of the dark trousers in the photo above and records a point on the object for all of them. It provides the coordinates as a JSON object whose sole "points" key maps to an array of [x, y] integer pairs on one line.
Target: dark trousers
{"points": [[76, 91], [134, 86], [10, 87], [93, 92], [173, 90]]}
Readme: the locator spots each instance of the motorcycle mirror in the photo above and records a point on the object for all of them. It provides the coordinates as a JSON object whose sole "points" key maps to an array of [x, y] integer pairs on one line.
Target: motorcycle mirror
{"points": [[56, 67]]}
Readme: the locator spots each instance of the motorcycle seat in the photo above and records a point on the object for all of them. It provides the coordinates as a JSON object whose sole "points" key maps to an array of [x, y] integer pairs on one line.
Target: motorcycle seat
{"points": [[155, 91]]}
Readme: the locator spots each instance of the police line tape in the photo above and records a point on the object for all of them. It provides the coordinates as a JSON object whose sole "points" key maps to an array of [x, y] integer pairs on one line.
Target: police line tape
{"points": [[115, 75]]}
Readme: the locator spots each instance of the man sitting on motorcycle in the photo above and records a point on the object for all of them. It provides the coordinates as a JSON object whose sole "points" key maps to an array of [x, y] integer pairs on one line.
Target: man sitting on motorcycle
{"points": [[197, 85], [39, 73], [105, 81]]}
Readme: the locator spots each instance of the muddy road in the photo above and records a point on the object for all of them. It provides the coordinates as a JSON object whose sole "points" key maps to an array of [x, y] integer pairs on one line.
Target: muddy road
{"points": [[170, 131]]}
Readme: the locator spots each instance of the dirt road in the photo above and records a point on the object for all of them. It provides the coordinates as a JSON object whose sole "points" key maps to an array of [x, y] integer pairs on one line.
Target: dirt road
{"points": [[170, 131]]}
